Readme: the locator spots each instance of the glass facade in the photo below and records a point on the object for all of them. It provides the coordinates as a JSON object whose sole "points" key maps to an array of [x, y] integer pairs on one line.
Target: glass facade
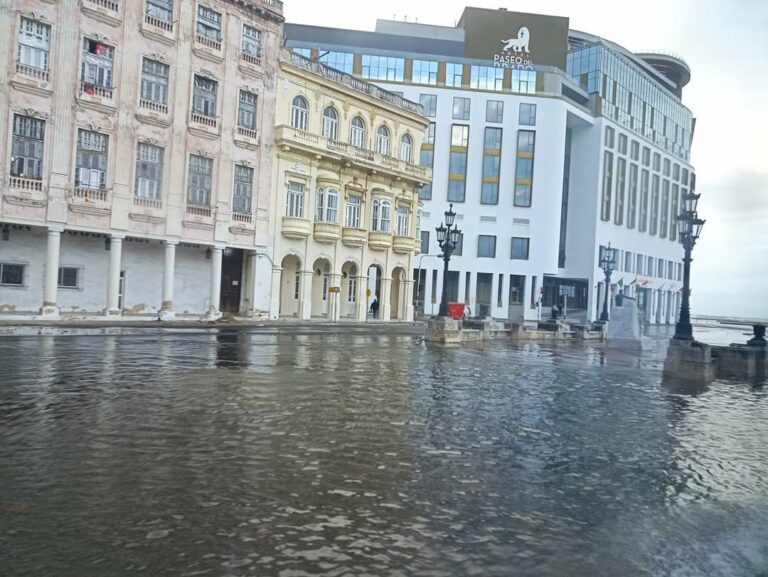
{"points": [[632, 99], [424, 72], [338, 60], [383, 68], [486, 78]]}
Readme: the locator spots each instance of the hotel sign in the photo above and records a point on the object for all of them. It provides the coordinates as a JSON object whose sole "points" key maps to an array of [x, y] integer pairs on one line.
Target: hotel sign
{"points": [[514, 39]]}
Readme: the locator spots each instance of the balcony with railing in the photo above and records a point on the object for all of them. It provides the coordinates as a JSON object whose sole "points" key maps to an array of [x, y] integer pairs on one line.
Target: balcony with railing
{"points": [[368, 158], [351, 81], [253, 60], [155, 203], [105, 10], [354, 237], [32, 72], [247, 132], [200, 210], [242, 217], [90, 194], [25, 184], [402, 244], [98, 95], [165, 25], [210, 43], [206, 125], [295, 227], [379, 240], [328, 232], [153, 106]]}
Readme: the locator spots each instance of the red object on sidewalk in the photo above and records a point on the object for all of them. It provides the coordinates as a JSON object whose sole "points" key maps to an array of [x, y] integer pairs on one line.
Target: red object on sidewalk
{"points": [[456, 310]]}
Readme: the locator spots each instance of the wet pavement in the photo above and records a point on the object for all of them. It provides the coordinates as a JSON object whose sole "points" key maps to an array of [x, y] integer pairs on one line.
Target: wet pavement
{"points": [[306, 451]]}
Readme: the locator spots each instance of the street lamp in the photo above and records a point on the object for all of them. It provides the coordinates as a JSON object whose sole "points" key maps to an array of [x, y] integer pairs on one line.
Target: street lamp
{"points": [[448, 237], [690, 230], [608, 264]]}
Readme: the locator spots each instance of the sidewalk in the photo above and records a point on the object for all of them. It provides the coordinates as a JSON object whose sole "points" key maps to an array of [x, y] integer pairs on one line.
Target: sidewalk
{"points": [[9, 321]]}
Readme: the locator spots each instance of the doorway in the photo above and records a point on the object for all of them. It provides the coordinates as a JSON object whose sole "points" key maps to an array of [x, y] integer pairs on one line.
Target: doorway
{"points": [[231, 280]]}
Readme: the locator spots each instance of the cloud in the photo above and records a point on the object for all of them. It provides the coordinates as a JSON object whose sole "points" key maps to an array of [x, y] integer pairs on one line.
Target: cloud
{"points": [[729, 273]]}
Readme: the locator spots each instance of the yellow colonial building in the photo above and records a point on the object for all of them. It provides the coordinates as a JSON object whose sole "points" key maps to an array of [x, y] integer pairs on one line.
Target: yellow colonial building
{"points": [[345, 207]]}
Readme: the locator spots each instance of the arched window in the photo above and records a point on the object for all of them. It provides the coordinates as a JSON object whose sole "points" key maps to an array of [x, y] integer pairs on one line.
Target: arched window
{"points": [[299, 113], [327, 205], [357, 133], [330, 123], [382, 140], [406, 148], [381, 215]]}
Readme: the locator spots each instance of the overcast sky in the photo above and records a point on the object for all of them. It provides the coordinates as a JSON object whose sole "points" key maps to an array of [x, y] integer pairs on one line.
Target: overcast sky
{"points": [[726, 46]]}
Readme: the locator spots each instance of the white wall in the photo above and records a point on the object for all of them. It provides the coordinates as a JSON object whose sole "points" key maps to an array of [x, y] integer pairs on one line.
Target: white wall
{"points": [[142, 262]]}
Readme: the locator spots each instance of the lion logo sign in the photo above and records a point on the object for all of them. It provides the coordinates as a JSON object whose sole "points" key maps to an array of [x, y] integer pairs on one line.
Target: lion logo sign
{"points": [[519, 44]]}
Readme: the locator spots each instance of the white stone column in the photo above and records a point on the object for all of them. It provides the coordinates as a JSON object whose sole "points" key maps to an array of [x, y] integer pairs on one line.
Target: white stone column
{"points": [[274, 298], [385, 307], [113, 281], [408, 299], [362, 298], [169, 269], [49, 309], [305, 295], [213, 313]]}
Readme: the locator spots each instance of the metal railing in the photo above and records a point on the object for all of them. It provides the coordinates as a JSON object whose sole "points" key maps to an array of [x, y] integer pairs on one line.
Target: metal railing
{"points": [[352, 82]]}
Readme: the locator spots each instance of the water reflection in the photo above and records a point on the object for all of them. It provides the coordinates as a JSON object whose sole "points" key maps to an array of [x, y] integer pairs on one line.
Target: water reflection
{"points": [[302, 452]]}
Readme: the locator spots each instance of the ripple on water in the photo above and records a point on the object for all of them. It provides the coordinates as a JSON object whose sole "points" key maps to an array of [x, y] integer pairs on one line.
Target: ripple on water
{"points": [[354, 453]]}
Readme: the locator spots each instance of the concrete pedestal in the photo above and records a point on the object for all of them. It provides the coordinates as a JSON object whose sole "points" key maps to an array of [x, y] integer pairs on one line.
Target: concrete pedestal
{"points": [[443, 330], [741, 362], [689, 362]]}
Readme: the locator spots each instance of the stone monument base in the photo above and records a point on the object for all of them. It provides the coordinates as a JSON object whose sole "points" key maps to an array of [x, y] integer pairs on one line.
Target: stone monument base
{"points": [[443, 330], [689, 362]]}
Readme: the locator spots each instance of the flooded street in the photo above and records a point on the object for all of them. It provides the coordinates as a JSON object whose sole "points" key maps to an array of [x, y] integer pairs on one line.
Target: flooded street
{"points": [[298, 452]]}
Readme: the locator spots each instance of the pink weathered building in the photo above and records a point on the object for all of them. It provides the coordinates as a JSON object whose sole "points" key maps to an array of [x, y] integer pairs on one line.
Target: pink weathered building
{"points": [[136, 162]]}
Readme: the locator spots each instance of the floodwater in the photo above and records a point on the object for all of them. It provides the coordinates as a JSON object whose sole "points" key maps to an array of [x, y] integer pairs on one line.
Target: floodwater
{"points": [[302, 452]]}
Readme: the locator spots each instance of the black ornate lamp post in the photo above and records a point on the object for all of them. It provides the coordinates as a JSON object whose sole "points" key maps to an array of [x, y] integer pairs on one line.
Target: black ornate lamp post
{"points": [[608, 264], [690, 229], [448, 236]]}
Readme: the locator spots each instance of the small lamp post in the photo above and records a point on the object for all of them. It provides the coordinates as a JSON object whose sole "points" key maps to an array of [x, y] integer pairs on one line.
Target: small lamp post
{"points": [[608, 264], [448, 236], [690, 226]]}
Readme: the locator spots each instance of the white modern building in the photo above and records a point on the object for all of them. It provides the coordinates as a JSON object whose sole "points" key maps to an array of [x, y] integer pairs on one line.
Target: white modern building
{"points": [[549, 143]]}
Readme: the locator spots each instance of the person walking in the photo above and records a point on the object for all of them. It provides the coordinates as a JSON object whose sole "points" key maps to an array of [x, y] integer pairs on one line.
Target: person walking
{"points": [[375, 308]]}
